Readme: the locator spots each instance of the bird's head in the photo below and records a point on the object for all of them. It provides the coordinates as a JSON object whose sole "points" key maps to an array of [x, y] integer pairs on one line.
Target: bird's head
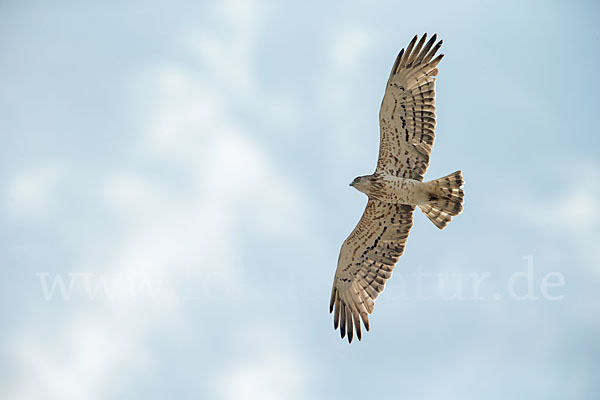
{"points": [[361, 183]]}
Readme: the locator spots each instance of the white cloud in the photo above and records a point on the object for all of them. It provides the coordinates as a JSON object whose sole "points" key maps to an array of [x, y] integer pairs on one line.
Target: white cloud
{"points": [[231, 53], [239, 173], [572, 214], [574, 210], [76, 361], [191, 120], [268, 368], [350, 48], [341, 95], [31, 193], [226, 179], [272, 377]]}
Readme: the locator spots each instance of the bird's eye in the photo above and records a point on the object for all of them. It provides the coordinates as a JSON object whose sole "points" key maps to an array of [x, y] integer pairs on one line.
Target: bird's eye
{"points": [[357, 179]]}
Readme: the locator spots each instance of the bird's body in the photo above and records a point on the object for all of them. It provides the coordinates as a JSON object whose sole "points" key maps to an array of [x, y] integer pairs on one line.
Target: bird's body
{"points": [[394, 189], [407, 121]]}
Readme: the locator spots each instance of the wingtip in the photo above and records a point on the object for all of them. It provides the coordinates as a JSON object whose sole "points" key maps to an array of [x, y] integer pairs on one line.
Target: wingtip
{"points": [[332, 298], [413, 41]]}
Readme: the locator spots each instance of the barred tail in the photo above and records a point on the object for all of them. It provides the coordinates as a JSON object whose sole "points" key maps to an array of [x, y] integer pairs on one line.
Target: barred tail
{"points": [[445, 199]]}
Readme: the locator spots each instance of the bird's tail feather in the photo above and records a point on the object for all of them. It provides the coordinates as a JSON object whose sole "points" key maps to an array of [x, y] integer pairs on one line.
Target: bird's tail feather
{"points": [[445, 199]]}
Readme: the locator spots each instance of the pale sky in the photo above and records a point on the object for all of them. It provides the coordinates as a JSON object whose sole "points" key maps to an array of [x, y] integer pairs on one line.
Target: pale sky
{"points": [[174, 194]]}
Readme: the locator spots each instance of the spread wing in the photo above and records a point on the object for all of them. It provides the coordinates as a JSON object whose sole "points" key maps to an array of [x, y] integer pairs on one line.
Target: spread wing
{"points": [[407, 115], [366, 262]]}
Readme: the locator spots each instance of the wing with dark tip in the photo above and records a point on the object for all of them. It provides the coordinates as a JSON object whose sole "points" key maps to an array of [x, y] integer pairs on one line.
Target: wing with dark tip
{"points": [[366, 262], [407, 114]]}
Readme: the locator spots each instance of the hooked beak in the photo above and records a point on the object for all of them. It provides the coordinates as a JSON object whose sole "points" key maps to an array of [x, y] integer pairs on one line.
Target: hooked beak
{"points": [[351, 184]]}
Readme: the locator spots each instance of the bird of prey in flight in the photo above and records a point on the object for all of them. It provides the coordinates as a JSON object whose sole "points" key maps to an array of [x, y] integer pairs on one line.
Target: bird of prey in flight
{"points": [[407, 128]]}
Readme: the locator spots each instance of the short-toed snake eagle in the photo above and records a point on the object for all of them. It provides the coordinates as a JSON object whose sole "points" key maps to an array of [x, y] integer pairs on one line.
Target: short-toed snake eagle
{"points": [[407, 124]]}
